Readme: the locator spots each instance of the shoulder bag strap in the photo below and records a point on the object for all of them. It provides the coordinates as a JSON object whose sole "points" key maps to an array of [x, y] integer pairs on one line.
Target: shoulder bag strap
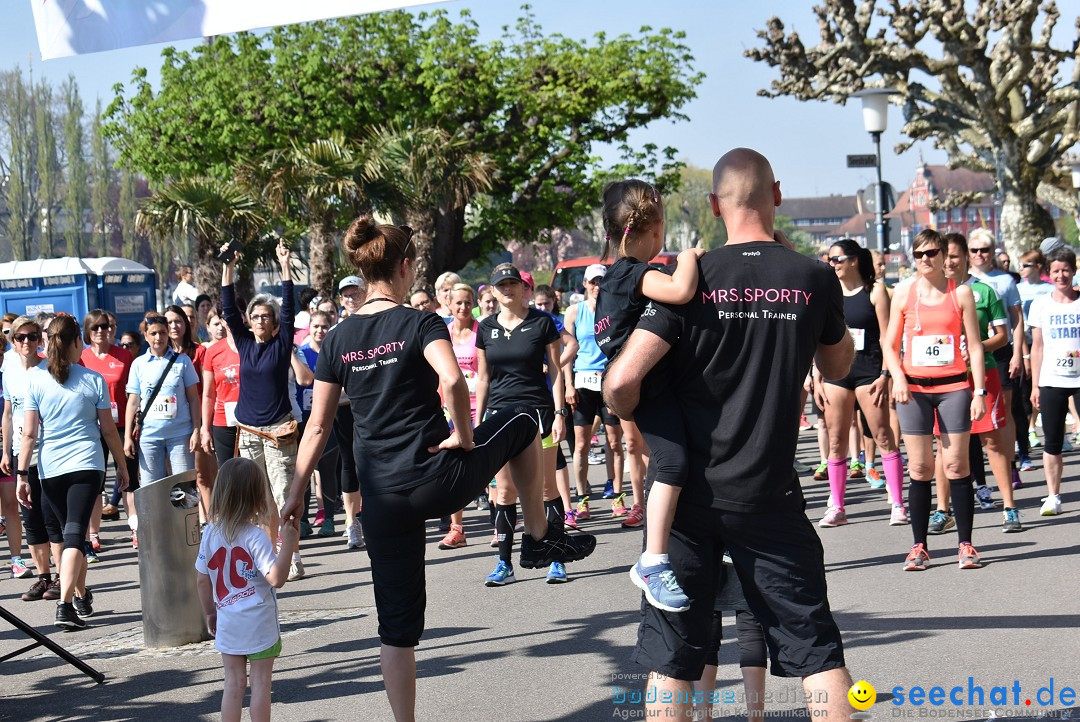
{"points": [[153, 394]]}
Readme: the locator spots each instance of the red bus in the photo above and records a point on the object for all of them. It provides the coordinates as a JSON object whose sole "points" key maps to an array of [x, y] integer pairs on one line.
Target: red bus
{"points": [[569, 276]]}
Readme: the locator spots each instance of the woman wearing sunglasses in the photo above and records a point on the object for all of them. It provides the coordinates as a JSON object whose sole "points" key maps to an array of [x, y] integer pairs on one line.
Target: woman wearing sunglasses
{"points": [[866, 310], [114, 364], [40, 525], [163, 408], [928, 317]]}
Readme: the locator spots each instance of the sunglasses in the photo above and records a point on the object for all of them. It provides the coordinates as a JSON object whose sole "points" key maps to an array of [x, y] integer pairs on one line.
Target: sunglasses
{"points": [[837, 260], [1028, 265], [154, 320], [984, 249], [101, 327], [7, 331], [21, 337], [929, 253]]}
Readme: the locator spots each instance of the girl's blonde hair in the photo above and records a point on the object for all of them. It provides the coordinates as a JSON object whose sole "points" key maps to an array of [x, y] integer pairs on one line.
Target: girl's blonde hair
{"points": [[240, 497]]}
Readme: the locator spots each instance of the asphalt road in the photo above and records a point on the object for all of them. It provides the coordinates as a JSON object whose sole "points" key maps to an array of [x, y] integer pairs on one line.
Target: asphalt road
{"points": [[533, 651]]}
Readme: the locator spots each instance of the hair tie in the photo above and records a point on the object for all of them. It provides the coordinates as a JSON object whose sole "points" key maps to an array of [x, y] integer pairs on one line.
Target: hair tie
{"points": [[626, 231], [607, 236]]}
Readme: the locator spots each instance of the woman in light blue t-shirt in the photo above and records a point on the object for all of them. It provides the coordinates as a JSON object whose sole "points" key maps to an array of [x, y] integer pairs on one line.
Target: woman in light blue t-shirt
{"points": [[72, 405], [168, 429]]}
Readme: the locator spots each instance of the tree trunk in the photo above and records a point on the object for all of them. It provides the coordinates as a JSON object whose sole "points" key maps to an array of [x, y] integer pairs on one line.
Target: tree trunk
{"points": [[1024, 223], [321, 263], [428, 262], [207, 268]]}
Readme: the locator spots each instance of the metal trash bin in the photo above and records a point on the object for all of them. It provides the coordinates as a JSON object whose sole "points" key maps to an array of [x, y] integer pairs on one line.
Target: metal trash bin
{"points": [[169, 536]]}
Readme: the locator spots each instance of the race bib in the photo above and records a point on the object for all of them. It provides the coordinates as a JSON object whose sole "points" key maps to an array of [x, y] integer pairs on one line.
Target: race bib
{"points": [[932, 350], [115, 413], [230, 413], [471, 380], [587, 380], [858, 335], [1068, 365], [305, 399], [163, 408]]}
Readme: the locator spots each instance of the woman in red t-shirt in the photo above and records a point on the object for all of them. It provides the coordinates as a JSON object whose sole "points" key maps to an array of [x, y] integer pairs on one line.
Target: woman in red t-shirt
{"points": [[182, 338], [221, 391], [112, 362]]}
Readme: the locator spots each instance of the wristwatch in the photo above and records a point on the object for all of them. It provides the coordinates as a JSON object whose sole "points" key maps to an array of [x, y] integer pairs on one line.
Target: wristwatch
{"points": [[980, 392], [22, 472], [886, 374], [562, 412]]}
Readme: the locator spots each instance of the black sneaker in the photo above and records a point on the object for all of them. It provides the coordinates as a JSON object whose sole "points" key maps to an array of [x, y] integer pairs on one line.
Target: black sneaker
{"points": [[84, 606], [67, 618], [37, 590], [53, 592], [556, 546]]}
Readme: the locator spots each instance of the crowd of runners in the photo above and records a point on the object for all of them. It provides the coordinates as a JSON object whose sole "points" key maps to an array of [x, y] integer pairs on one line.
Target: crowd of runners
{"points": [[431, 402]]}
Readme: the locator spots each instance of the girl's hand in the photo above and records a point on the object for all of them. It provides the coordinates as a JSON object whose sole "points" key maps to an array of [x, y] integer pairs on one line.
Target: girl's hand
{"points": [[1035, 398], [453, 441], [193, 442], [211, 622], [978, 407], [900, 392], [290, 535], [122, 479], [820, 398], [129, 447], [207, 441], [5, 464]]}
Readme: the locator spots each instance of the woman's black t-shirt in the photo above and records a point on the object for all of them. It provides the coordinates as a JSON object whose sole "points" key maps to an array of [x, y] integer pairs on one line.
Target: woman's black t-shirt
{"points": [[379, 360], [862, 322], [515, 359], [620, 304]]}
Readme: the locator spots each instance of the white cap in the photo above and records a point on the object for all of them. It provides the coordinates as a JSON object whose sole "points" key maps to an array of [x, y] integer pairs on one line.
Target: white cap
{"points": [[596, 270]]}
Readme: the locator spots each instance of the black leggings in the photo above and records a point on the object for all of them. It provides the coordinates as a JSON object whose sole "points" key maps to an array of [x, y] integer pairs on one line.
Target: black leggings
{"points": [[1054, 404], [750, 637], [224, 442], [661, 425], [72, 497], [394, 522], [343, 432], [40, 525]]}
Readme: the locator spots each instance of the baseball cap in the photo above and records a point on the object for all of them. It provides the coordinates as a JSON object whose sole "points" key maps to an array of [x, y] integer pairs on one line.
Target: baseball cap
{"points": [[1051, 243], [527, 279], [596, 270], [506, 273], [351, 281]]}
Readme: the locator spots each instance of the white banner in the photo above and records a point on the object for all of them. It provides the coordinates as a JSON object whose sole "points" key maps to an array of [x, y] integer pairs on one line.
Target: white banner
{"points": [[75, 27]]}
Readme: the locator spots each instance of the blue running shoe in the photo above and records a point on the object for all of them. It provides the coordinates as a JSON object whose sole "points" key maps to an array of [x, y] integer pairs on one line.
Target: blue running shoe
{"points": [[503, 575], [660, 587], [557, 573], [609, 489]]}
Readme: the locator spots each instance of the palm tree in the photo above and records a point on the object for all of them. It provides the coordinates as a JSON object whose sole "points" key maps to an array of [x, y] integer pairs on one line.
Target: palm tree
{"points": [[441, 174], [320, 182], [210, 211]]}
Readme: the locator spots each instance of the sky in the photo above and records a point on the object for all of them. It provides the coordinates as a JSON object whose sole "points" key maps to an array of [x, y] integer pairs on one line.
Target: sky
{"points": [[806, 142]]}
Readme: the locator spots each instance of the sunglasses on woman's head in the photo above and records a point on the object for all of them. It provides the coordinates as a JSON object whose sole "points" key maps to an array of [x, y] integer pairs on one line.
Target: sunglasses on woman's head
{"points": [[154, 320], [929, 253], [22, 337]]}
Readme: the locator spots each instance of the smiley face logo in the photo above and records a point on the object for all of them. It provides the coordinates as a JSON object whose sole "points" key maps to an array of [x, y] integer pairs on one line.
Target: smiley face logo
{"points": [[862, 695]]}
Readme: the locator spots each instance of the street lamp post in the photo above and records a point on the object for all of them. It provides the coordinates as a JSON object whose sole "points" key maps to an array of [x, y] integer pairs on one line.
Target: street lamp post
{"points": [[875, 108]]}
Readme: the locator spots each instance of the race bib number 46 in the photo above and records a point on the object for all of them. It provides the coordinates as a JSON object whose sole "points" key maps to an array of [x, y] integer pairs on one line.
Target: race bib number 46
{"points": [[932, 350]]}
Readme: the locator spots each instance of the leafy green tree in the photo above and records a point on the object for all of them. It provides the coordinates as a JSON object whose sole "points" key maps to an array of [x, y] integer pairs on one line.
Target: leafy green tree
{"points": [[536, 105], [983, 80], [76, 201], [322, 183], [690, 221], [101, 181], [206, 210], [48, 164], [18, 164], [127, 208]]}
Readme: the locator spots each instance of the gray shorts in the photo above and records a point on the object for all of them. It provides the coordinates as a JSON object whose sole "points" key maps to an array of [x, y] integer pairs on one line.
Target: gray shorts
{"points": [[952, 410]]}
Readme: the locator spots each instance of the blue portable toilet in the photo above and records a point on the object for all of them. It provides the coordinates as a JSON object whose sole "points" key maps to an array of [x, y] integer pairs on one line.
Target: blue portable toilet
{"points": [[76, 285]]}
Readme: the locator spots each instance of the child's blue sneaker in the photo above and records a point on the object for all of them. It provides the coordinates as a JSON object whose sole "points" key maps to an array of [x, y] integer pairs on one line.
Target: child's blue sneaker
{"points": [[660, 587]]}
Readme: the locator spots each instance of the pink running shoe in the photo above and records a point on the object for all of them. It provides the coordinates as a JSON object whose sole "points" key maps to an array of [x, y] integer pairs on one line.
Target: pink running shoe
{"points": [[635, 518], [618, 506], [570, 519], [899, 516], [835, 516]]}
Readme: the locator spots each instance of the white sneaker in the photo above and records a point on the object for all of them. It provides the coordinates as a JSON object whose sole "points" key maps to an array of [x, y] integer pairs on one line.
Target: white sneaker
{"points": [[356, 535], [1051, 505], [296, 569]]}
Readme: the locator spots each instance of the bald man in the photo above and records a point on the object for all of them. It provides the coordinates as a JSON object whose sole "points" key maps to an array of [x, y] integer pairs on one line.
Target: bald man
{"points": [[736, 358]]}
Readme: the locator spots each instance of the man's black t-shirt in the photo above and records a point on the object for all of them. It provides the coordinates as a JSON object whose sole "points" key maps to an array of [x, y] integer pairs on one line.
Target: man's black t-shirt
{"points": [[740, 351], [515, 359], [620, 304], [379, 360]]}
